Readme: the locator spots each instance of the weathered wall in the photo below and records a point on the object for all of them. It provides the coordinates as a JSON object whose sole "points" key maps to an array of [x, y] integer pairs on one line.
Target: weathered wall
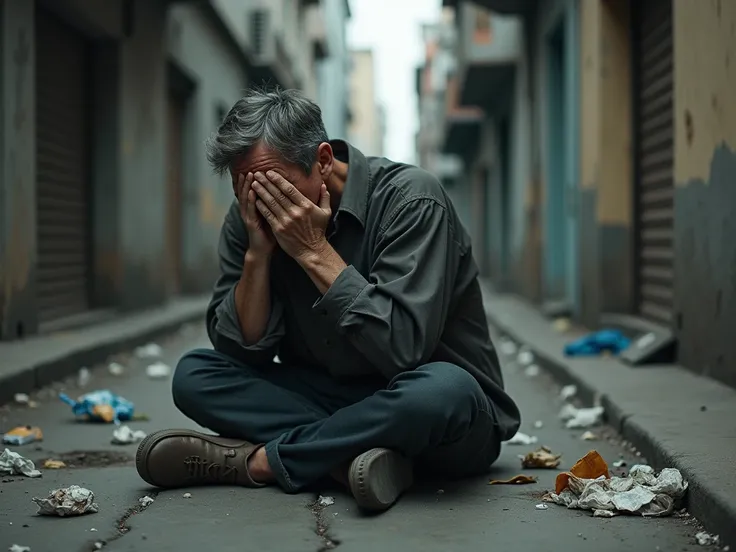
{"points": [[605, 235], [705, 176], [524, 188], [219, 79], [142, 201], [17, 170]]}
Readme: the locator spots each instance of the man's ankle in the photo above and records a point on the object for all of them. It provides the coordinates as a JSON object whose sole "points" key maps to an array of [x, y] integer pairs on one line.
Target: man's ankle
{"points": [[258, 467]]}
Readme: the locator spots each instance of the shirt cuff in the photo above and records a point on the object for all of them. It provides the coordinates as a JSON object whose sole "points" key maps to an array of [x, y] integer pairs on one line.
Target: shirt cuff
{"points": [[228, 324], [341, 295]]}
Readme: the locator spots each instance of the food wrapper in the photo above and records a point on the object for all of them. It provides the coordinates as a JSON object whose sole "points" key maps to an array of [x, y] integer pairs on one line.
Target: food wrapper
{"points": [[123, 435], [23, 435], [520, 479], [100, 406], [12, 463], [590, 466], [71, 501], [541, 458]]}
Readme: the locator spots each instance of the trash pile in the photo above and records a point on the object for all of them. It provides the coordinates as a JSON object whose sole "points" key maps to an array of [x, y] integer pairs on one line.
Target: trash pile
{"points": [[589, 486], [99, 406]]}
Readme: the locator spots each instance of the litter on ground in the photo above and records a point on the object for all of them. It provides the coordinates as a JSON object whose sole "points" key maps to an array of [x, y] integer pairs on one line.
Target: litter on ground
{"points": [[539, 424], [619, 464], [611, 342], [187, 495], [18, 548], [522, 439], [531, 371], [71, 501], [520, 479], [325, 500], [123, 435], [21, 398], [145, 501], [151, 350], [568, 392], [158, 370], [100, 406], [84, 377], [54, 464], [541, 506], [23, 435], [12, 463], [704, 538], [542, 458], [561, 325], [579, 418], [589, 486], [589, 436], [507, 347], [525, 357], [116, 369]]}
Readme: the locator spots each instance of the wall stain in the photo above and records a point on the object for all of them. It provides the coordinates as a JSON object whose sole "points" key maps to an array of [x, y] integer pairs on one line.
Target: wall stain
{"points": [[689, 127], [705, 268]]}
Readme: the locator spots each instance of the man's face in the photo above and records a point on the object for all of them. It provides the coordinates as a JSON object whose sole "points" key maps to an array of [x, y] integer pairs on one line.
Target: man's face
{"points": [[262, 159]]}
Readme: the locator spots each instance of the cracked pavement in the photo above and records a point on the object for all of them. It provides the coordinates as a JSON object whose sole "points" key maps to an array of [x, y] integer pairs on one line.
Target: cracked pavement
{"points": [[466, 515]]}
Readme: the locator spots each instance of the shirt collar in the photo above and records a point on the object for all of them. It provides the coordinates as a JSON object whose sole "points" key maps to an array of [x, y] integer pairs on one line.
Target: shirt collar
{"points": [[354, 198]]}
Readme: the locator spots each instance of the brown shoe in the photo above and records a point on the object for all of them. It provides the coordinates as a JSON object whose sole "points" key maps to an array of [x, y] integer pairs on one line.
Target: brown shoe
{"points": [[378, 477], [183, 458]]}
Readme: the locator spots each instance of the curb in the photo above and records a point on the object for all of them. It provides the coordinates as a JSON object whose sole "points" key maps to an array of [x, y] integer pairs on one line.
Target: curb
{"points": [[716, 514], [66, 362]]}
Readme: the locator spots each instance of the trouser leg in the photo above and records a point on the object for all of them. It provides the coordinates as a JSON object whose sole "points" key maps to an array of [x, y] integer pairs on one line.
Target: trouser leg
{"points": [[437, 414]]}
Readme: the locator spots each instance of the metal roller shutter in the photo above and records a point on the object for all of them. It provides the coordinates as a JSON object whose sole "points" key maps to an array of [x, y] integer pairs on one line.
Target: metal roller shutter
{"points": [[654, 160], [62, 192]]}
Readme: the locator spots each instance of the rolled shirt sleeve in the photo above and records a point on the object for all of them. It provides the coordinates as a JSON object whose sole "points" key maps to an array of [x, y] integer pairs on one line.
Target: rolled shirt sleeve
{"points": [[395, 316], [223, 325]]}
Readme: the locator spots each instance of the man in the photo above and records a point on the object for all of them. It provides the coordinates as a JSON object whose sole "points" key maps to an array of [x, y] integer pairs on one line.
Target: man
{"points": [[375, 313]]}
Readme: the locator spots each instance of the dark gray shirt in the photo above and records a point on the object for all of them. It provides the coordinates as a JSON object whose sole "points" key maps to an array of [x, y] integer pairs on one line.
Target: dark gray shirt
{"points": [[410, 294]]}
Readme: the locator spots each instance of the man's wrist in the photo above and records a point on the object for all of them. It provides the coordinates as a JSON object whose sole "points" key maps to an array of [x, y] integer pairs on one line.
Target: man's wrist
{"points": [[257, 258], [315, 255]]}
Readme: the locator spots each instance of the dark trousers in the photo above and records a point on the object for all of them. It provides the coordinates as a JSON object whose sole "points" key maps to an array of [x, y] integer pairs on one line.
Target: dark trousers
{"points": [[312, 424]]}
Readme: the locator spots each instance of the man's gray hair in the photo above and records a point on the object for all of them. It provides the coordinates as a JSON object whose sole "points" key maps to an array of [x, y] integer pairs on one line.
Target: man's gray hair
{"points": [[284, 120]]}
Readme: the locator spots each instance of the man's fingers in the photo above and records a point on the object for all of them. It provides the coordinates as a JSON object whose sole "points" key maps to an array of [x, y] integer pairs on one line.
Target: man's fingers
{"points": [[288, 189], [271, 203]]}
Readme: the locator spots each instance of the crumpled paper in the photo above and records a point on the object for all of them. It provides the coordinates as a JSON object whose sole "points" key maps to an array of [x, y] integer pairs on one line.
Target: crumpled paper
{"points": [[71, 501], [12, 463], [575, 418], [520, 438], [541, 458], [123, 435], [640, 493], [18, 548]]}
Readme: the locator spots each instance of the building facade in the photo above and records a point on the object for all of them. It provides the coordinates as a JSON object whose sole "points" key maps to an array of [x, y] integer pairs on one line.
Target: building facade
{"points": [[366, 129], [616, 140], [333, 71], [107, 203]]}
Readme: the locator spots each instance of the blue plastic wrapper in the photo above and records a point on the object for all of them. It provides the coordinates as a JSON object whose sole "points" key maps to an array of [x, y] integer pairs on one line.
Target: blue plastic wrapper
{"points": [[101, 406]]}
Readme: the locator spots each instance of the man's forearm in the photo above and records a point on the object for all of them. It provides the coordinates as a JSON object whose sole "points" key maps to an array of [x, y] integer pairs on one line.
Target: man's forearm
{"points": [[253, 297], [323, 267]]}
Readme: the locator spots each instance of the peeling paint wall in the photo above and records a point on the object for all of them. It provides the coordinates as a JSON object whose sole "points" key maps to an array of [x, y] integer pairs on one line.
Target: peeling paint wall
{"points": [[605, 205], [219, 78], [705, 178], [17, 170]]}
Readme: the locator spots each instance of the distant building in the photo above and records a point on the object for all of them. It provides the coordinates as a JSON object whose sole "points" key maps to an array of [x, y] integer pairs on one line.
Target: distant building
{"points": [[333, 71], [366, 128]]}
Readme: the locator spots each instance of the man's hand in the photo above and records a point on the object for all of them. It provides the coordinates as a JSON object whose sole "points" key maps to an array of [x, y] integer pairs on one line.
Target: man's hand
{"points": [[261, 241], [298, 224]]}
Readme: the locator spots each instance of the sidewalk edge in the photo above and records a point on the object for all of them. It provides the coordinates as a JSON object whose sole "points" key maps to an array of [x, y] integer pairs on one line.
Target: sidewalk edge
{"points": [[702, 499], [67, 363]]}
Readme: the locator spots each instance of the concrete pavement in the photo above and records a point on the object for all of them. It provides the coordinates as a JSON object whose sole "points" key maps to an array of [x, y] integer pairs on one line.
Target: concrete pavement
{"points": [[468, 515]]}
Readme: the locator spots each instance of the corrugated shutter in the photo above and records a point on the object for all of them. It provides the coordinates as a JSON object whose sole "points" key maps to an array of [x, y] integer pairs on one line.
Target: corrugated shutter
{"points": [[655, 136], [174, 194], [62, 193]]}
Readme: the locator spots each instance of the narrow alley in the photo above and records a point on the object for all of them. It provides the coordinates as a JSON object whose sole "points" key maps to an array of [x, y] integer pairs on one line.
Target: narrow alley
{"points": [[436, 516]]}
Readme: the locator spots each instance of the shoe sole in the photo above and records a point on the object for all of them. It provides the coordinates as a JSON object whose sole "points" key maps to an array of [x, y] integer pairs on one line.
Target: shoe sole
{"points": [[150, 441], [379, 477]]}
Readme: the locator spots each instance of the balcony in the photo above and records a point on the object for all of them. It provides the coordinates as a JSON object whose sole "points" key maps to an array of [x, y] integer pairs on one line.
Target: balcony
{"points": [[462, 124], [503, 7], [489, 48], [271, 62]]}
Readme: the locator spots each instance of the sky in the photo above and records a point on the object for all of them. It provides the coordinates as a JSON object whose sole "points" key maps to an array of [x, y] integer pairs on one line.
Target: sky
{"points": [[391, 28]]}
